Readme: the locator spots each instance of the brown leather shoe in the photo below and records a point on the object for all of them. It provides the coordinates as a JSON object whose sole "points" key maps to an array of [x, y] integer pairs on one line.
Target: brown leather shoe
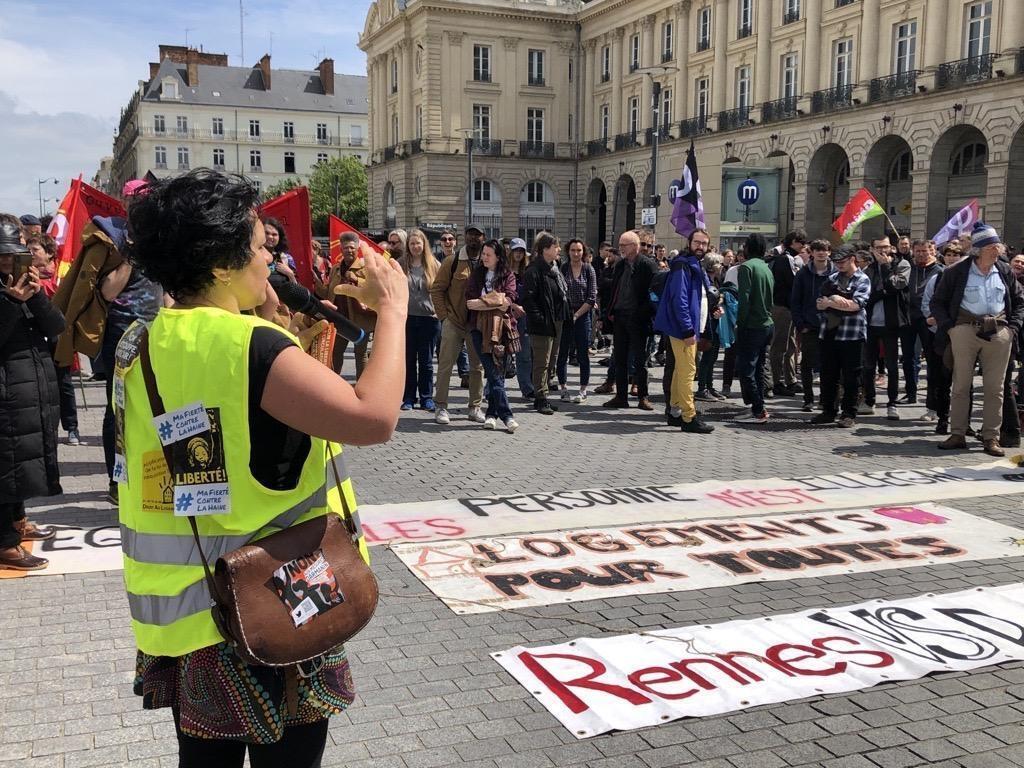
{"points": [[31, 532], [993, 448], [645, 404], [632, 390], [605, 389], [20, 559], [616, 402], [953, 443]]}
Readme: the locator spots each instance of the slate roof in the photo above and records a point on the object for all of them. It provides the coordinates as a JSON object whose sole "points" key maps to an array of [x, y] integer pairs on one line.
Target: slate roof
{"points": [[243, 87]]}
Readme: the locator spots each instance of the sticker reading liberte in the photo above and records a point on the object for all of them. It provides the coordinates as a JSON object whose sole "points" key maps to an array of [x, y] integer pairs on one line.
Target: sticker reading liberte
{"points": [[307, 586], [186, 422]]}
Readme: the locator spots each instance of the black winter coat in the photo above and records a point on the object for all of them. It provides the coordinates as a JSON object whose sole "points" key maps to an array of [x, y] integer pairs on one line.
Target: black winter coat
{"points": [[29, 405], [542, 298]]}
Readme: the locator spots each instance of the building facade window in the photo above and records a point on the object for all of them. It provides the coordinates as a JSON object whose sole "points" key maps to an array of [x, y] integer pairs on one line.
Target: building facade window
{"points": [[394, 130], [605, 121], [217, 126], [842, 63], [355, 135], [289, 162], [258, 185], [634, 53], [905, 48], [482, 122], [535, 125], [979, 29], [322, 136], [169, 90], [791, 12], [746, 18], [254, 129], [791, 75], [419, 121], [701, 101], [743, 87], [255, 160], [535, 192], [321, 157], [218, 159], [160, 157], [667, 41], [900, 170], [394, 75], [182, 124], [289, 132], [572, 125], [970, 159], [572, 68], [158, 124], [535, 66], [666, 108], [482, 191], [704, 28], [482, 63], [182, 158], [634, 115], [606, 64]]}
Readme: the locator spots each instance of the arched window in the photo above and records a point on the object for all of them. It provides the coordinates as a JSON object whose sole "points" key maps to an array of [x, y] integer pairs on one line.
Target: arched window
{"points": [[843, 174], [970, 159], [900, 168], [390, 206], [483, 191]]}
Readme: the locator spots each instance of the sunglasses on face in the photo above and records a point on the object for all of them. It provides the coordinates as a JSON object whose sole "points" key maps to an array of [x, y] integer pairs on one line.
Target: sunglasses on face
{"points": [[447, 239]]}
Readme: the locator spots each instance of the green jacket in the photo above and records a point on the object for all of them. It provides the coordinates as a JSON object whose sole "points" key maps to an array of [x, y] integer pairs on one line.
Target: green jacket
{"points": [[755, 295]]}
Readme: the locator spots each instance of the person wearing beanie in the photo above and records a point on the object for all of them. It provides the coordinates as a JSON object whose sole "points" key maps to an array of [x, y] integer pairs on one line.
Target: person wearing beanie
{"points": [[978, 307]]}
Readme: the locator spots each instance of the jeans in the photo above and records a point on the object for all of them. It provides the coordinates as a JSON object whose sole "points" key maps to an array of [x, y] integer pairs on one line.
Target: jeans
{"points": [[751, 352], [1011, 420], [890, 340], [706, 369], [421, 334], [497, 399], [910, 339], [11, 512], [729, 367], [68, 404], [841, 361], [462, 362], [936, 379], [575, 334], [810, 358], [524, 358], [302, 746], [630, 336], [111, 336]]}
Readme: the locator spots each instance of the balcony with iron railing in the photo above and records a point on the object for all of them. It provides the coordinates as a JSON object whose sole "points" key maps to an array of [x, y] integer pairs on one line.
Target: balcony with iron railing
{"points": [[693, 126], [606, 76], [731, 119], [703, 44], [891, 87], [415, 146], [1020, 61], [664, 134], [488, 147], [780, 109], [667, 56], [841, 3], [832, 99], [538, 150], [390, 152], [536, 81], [596, 147], [626, 141], [975, 69], [745, 30], [481, 77], [791, 16], [634, 66]]}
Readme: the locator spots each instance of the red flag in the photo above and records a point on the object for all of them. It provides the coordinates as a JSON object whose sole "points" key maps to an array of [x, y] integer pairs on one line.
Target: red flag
{"points": [[862, 206], [292, 210], [79, 205], [337, 227]]}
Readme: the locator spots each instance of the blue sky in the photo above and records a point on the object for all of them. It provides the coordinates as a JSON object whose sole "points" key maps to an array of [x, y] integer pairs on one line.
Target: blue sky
{"points": [[67, 68]]}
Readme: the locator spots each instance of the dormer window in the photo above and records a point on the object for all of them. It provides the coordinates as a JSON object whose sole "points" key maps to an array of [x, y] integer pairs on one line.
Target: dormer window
{"points": [[169, 89]]}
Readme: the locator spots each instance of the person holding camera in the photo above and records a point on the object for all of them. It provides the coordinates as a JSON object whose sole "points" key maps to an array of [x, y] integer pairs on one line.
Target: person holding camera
{"points": [[29, 404], [843, 332]]}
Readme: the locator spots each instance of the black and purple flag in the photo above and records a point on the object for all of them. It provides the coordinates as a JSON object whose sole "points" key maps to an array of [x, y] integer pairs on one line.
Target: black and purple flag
{"points": [[688, 211]]}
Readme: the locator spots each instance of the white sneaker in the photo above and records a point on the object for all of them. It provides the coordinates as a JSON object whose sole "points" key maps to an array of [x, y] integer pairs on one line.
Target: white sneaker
{"points": [[750, 418], [490, 422], [441, 416], [930, 415], [865, 410], [566, 397], [892, 413], [476, 414], [511, 425], [579, 398]]}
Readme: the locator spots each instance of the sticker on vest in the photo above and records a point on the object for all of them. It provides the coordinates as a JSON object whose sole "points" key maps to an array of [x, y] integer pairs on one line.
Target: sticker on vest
{"points": [[128, 347], [199, 471], [119, 388], [120, 472], [307, 586], [186, 422], [157, 487]]}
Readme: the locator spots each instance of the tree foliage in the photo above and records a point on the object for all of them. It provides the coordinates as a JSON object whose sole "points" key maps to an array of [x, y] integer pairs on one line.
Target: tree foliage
{"points": [[336, 186]]}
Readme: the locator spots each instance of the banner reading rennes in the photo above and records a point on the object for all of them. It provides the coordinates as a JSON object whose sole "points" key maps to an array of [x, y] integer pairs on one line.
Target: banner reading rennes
{"points": [[618, 683]]}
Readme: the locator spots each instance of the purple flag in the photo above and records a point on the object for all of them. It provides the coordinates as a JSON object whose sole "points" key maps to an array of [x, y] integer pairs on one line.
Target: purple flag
{"points": [[962, 221], [688, 211]]}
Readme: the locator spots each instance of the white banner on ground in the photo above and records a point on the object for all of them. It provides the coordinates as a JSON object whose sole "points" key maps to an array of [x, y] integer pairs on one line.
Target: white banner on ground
{"points": [[80, 550], [563, 510], [618, 683], [481, 575]]}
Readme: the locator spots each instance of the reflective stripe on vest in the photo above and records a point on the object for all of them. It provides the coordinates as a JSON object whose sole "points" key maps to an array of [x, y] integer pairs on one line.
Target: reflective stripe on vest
{"points": [[161, 610]]}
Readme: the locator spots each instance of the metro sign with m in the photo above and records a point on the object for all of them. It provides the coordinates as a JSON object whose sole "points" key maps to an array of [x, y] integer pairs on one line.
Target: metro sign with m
{"points": [[748, 193]]}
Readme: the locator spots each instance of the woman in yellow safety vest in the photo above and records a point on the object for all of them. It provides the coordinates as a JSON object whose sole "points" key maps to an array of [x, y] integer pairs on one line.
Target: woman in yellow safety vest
{"points": [[258, 462]]}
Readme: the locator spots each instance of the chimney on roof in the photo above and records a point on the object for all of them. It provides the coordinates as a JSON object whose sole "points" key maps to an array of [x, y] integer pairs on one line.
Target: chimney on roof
{"points": [[264, 66], [192, 67], [326, 70]]}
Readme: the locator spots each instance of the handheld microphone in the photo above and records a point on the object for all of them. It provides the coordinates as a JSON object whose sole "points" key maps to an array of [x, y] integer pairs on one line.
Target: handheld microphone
{"points": [[299, 299]]}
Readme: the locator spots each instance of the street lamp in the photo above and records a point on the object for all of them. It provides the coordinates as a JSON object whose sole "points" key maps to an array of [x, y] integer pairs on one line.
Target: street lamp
{"points": [[41, 182], [470, 141], [653, 72]]}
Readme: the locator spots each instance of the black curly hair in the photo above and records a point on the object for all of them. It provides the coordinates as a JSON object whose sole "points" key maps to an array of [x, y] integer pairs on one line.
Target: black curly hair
{"points": [[181, 229], [282, 237]]}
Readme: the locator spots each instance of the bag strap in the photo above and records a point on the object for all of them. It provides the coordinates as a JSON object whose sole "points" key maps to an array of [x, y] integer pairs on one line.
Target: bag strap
{"points": [[156, 404], [348, 517]]}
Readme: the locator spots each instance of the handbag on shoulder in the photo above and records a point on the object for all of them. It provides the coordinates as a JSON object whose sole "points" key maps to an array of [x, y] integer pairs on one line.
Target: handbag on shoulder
{"points": [[261, 594]]}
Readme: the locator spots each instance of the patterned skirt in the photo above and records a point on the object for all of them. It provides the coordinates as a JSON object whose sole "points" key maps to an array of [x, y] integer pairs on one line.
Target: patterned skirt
{"points": [[219, 696]]}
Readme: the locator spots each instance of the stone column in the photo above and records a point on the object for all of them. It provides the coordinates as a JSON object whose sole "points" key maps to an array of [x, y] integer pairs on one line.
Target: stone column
{"points": [[869, 35], [996, 212], [934, 33], [920, 185], [1011, 28], [457, 112], [763, 59], [812, 48], [682, 31], [618, 67], [720, 77], [587, 79], [647, 59]]}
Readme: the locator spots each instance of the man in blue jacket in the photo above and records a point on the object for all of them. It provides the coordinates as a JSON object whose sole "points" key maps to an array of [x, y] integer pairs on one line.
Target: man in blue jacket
{"points": [[682, 315], [806, 317]]}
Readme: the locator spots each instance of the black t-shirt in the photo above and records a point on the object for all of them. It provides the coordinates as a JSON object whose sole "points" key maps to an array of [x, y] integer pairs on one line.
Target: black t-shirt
{"points": [[277, 451]]}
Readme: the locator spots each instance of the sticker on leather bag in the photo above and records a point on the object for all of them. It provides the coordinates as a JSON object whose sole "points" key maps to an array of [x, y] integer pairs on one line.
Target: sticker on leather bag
{"points": [[307, 586]]}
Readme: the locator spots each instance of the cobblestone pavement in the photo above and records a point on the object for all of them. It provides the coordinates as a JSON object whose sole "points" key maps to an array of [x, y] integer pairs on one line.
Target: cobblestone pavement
{"points": [[430, 695]]}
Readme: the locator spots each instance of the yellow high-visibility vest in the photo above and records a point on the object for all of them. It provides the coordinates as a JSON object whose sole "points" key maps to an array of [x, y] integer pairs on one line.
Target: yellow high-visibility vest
{"points": [[200, 355]]}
